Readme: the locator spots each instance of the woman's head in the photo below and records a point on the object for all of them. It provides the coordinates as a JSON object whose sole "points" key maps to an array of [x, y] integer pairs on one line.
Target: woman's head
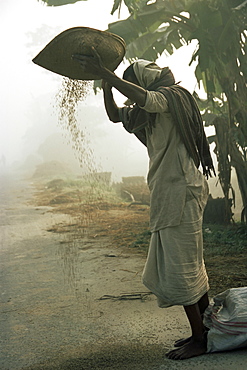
{"points": [[146, 73], [129, 75]]}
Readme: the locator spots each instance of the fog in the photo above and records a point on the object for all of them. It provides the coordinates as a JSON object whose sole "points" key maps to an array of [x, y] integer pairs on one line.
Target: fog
{"points": [[30, 129], [114, 150], [29, 116]]}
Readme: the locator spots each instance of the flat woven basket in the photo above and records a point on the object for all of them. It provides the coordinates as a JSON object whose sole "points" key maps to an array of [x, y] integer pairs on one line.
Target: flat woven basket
{"points": [[57, 55]]}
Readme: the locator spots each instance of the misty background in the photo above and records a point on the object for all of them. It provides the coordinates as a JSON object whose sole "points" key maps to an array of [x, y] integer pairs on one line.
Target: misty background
{"points": [[30, 129]]}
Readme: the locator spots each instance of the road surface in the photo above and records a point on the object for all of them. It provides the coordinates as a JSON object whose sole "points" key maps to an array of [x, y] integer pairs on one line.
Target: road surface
{"points": [[51, 314]]}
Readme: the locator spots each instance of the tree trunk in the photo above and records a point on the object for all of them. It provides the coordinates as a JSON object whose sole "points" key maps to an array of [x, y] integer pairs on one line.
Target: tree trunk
{"points": [[241, 170], [224, 165]]}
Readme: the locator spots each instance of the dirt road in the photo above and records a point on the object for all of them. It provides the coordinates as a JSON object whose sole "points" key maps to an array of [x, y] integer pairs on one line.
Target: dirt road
{"points": [[52, 316]]}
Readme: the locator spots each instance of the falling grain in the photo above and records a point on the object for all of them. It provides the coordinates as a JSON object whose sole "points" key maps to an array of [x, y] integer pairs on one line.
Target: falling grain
{"points": [[70, 94]]}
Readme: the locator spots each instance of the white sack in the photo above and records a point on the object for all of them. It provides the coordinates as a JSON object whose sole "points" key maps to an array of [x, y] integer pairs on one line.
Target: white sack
{"points": [[226, 319]]}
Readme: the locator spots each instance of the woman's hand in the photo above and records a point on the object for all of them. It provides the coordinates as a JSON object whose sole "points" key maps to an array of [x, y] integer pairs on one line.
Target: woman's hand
{"points": [[91, 64]]}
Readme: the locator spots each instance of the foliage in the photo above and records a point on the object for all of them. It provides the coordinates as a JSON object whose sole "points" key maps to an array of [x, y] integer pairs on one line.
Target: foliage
{"points": [[220, 28], [221, 240], [218, 240], [132, 5], [157, 26], [141, 240], [59, 2]]}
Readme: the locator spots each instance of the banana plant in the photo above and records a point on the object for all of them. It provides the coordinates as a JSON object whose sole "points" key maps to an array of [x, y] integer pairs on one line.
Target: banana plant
{"points": [[219, 26], [59, 2]]}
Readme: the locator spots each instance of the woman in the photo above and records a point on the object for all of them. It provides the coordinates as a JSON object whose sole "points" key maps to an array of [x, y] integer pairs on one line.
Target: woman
{"points": [[165, 117]]}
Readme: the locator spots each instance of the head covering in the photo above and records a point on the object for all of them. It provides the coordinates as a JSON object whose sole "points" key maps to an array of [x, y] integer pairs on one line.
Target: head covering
{"points": [[150, 74], [146, 72], [183, 108]]}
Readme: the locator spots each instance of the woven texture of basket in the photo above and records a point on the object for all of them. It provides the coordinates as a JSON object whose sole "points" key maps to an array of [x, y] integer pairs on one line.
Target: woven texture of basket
{"points": [[57, 54]]}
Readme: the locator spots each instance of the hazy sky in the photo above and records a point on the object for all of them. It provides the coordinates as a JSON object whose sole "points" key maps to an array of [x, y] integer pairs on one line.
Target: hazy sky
{"points": [[28, 116]]}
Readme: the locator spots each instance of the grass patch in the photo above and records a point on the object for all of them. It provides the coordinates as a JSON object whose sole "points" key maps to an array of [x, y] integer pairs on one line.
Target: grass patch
{"points": [[224, 253], [218, 240], [225, 240], [100, 213], [141, 240], [225, 256]]}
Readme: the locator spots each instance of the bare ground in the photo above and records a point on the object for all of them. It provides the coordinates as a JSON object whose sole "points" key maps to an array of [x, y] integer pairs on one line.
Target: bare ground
{"points": [[71, 293]]}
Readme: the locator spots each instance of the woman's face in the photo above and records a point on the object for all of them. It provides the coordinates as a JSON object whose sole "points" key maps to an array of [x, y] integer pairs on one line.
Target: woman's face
{"points": [[130, 76], [132, 79]]}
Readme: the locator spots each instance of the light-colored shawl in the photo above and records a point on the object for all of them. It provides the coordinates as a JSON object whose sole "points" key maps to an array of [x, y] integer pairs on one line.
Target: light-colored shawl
{"points": [[146, 72], [183, 108]]}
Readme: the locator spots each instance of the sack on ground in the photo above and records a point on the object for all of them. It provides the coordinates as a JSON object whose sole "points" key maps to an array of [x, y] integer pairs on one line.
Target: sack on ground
{"points": [[226, 319]]}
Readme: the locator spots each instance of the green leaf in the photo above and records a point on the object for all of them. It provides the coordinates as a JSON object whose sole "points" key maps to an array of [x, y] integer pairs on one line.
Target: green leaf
{"points": [[198, 73], [116, 5], [209, 118], [226, 36], [212, 19], [218, 87], [147, 43], [97, 84], [175, 39], [211, 139], [134, 26], [241, 5], [60, 2]]}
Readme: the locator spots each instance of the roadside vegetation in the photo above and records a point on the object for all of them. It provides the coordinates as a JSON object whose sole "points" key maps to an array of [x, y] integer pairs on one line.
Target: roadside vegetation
{"points": [[99, 212]]}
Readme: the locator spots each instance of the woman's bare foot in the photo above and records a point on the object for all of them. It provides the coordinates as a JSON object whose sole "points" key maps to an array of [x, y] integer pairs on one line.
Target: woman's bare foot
{"points": [[181, 342], [195, 347]]}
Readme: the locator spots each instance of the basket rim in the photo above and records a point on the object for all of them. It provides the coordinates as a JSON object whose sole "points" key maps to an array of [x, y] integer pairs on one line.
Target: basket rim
{"points": [[48, 60]]}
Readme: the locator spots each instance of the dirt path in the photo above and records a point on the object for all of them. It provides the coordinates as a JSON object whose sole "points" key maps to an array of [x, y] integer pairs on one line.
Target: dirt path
{"points": [[52, 316]]}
